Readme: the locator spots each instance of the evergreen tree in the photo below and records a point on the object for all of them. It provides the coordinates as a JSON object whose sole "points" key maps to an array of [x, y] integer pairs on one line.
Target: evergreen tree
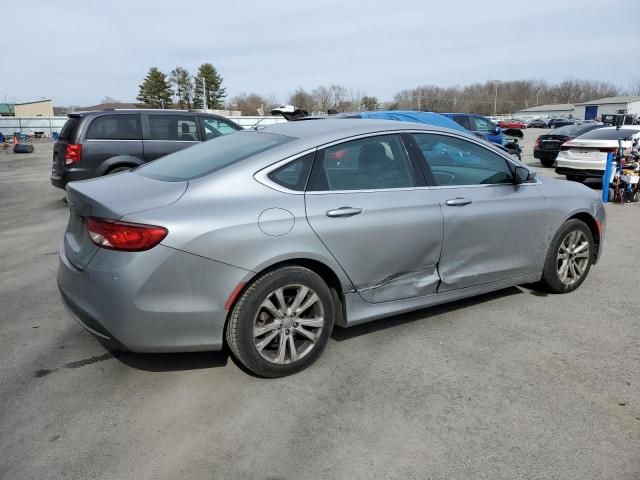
{"points": [[183, 82], [155, 91], [213, 85], [370, 103]]}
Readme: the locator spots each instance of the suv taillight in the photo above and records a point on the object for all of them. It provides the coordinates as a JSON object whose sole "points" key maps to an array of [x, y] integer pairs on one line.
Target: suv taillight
{"points": [[537, 142], [131, 237], [73, 153]]}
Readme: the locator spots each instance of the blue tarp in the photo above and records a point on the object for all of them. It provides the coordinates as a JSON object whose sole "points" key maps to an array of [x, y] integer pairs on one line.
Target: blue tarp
{"points": [[428, 118]]}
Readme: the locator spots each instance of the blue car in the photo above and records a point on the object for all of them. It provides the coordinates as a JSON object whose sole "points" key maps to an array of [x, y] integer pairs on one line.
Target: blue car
{"points": [[479, 125]]}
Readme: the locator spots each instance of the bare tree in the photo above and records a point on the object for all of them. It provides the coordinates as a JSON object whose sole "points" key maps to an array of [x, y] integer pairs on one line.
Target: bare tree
{"points": [[253, 103], [109, 99], [634, 86], [302, 99]]}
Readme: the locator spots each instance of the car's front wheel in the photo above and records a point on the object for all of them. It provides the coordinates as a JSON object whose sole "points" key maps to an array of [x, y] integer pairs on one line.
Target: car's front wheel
{"points": [[282, 322], [569, 258]]}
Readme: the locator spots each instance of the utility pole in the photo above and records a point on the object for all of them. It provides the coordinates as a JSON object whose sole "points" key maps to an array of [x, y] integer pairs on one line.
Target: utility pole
{"points": [[495, 98], [205, 105]]}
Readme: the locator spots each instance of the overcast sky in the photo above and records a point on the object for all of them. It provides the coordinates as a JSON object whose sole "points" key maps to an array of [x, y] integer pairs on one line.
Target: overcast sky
{"points": [[77, 52]]}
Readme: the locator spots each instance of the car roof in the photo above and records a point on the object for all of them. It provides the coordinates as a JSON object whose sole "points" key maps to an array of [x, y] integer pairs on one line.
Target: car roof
{"points": [[331, 129], [137, 110]]}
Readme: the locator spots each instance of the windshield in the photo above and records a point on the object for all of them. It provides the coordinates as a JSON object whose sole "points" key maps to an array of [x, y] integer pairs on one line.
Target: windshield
{"points": [[609, 134], [211, 156]]}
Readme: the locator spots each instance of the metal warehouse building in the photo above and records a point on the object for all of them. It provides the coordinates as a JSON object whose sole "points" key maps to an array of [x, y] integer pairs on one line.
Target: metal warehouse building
{"points": [[628, 104], [560, 110]]}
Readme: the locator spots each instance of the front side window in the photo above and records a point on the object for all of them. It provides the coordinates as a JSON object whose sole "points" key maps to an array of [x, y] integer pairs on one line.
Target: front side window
{"points": [[208, 157], [483, 125], [215, 127], [173, 127], [454, 161], [370, 163], [115, 127]]}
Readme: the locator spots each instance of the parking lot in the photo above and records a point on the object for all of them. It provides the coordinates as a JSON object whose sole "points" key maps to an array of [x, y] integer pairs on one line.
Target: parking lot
{"points": [[514, 384]]}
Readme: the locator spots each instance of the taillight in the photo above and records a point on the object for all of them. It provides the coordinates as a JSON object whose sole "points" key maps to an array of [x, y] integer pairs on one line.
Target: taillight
{"points": [[73, 153], [131, 237], [608, 149], [537, 142]]}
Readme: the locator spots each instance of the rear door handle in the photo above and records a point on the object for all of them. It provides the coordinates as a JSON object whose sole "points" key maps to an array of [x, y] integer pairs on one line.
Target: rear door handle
{"points": [[343, 212], [458, 202]]}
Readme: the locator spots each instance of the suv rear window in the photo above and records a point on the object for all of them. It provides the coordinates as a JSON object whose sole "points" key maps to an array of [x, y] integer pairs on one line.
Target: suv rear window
{"points": [[115, 127], [210, 156], [69, 128]]}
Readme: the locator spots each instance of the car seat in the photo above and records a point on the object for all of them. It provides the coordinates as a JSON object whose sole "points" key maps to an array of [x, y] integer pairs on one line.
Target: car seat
{"points": [[186, 135]]}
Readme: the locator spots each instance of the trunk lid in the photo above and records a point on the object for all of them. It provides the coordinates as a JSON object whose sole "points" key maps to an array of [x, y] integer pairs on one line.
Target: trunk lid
{"points": [[111, 197]]}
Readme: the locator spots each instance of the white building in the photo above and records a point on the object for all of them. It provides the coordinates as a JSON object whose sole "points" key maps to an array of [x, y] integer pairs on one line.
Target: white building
{"points": [[560, 110], [628, 104]]}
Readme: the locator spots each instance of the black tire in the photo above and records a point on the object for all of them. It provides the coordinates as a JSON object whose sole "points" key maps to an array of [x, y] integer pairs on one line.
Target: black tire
{"points": [[118, 170], [240, 327], [612, 195], [23, 148], [551, 280], [548, 162]]}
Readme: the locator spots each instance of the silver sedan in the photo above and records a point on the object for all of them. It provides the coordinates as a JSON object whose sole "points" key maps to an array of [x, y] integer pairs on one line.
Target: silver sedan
{"points": [[266, 238]]}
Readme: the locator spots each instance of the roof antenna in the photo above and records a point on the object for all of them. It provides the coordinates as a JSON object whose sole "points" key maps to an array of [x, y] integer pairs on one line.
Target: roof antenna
{"points": [[255, 125]]}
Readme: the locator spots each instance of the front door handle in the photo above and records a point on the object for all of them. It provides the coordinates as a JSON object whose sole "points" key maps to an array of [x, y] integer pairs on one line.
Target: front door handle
{"points": [[343, 212], [458, 202]]}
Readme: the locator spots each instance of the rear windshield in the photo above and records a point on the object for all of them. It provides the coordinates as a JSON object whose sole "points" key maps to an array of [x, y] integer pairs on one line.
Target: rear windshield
{"points": [[609, 134], [573, 130], [68, 129], [211, 155]]}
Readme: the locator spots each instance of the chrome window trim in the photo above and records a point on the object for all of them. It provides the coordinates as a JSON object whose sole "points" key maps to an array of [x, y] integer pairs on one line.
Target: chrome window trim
{"points": [[261, 176], [173, 141]]}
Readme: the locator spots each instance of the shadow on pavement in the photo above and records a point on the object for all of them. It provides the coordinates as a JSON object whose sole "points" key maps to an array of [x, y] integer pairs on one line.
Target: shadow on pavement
{"points": [[169, 362], [340, 333]]}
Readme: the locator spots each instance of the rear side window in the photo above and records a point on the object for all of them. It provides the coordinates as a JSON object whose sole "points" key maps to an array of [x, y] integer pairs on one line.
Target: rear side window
{"points": [[294, 175], [173, 127], [371, 163], [211, 156], [115, 127], [68, 130]]}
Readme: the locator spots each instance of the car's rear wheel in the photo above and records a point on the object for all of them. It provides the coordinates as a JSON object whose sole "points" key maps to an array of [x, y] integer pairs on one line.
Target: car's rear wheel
{"points": [[547, 162], [282, 322], [569, 258]]}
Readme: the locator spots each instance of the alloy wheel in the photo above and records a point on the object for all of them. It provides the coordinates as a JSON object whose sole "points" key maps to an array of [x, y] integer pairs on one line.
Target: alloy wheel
{"points": [[573, 257], [288, 324]]}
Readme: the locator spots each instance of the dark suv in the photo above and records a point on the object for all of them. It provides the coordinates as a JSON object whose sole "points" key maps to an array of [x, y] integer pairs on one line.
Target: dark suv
{"points": [[97, 143]]}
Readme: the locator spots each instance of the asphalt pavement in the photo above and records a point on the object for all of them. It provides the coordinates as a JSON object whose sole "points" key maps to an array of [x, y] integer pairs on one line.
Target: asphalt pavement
{"points": [[510, 385]]}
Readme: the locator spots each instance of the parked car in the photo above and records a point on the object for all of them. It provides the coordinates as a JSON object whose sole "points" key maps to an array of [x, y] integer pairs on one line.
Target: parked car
{"points": [[479, 125], [547, 146], [96, 143], [538, 123], [561, 122], [512, 123], [586, 156], [266, 239]]}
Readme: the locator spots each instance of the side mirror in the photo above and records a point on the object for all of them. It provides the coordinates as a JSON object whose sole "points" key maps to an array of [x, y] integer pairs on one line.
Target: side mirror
{"points": [[520, 175], [496, 131]]}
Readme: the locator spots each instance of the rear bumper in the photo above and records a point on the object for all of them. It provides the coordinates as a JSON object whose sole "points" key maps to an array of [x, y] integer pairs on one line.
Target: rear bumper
{"points": [[72, 175], [161, 300], [579, 172], [545, 154]]}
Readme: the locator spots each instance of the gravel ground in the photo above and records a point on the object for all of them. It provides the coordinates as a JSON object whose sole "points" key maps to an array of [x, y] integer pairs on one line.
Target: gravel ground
{"points": [[515, 384]]}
